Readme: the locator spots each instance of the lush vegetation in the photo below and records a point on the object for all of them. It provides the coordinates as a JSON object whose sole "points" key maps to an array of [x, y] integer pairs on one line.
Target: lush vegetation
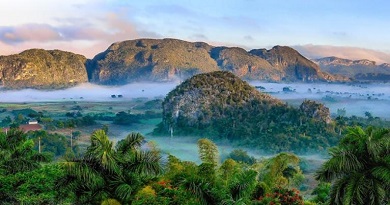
{"points": [[25, 176], [106, 172], [222, 106], [125, 173], [359, 168], [133, 171]]}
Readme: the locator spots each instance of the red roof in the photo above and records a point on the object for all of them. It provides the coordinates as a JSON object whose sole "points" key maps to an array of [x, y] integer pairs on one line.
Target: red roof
{"points": [[27, 127]]}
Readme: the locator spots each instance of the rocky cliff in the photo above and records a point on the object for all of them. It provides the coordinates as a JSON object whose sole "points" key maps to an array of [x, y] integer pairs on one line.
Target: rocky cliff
{"points": [[155, 60], [170, 59], [293, 66], [43, 69], [150, 60], [366, 70]]}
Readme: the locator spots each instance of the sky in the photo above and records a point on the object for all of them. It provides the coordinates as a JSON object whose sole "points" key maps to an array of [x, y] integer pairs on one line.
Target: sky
{"points": [[354, 29]]}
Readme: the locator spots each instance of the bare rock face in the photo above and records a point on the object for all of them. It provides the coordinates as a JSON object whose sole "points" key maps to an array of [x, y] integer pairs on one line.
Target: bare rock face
{"points": [[155, 60], [361, 70], [171, 59], [42, 69], [244, 64], [293, 65], [151, 60]]}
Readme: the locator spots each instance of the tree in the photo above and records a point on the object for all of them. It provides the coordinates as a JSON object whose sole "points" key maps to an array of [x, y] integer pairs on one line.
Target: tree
{"points": [[6, 121], [359, 168], [241, 187], [106, 173], [240, 155], [22, 171], [208, 151], [321, 192], [32, 187], [282, 196], [17, 153], [368, 115], [282, 170]]}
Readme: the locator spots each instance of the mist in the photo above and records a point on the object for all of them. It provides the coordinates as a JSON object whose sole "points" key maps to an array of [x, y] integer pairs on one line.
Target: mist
{"points": [[355, 98], [89, 92]]}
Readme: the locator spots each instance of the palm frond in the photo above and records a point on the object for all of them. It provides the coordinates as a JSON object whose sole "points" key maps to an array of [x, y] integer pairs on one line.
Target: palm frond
{"points": [[354, 189], [124, 191], [198, 187], [132, 142], [102, 150], [82, 172], [144, 162], [342, 162], [382, 173], [337, 191], [243, 184]]}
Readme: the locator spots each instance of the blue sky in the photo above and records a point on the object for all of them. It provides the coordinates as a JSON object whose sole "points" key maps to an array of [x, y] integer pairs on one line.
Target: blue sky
{"points": [[353, 29]]}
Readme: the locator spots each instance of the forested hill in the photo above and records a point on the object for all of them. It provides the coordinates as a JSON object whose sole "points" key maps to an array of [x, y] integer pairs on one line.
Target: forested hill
{"points": [[220, 105], [170, 59]]}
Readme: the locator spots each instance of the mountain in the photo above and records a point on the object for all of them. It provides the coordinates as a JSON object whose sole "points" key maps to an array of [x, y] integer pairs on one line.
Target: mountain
{"points": [[150, 60], [293, 65], [156, 60], [358, 69], [45, 69], [220, 105], [170, 59]]}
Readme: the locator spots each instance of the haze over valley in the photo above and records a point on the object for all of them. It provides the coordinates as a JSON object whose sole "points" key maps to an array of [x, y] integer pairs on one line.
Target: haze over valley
{"points": [[167, 102], [355, 98]]}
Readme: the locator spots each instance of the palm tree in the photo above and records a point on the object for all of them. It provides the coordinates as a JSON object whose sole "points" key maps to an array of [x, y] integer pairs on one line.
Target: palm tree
{"points": [[105, 172], [282, 170], [359, 168], [17, 159], [17, 153], [241, 187]]}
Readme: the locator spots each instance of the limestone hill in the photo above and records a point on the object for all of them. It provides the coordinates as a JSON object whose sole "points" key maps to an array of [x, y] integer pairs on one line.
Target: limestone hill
{"points": [[221, 105], [170, 59], [156, 60], [151, 60], [45, 69], [361, 70]]}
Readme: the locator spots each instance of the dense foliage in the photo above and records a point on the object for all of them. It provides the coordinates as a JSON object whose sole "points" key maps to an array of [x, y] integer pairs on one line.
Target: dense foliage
{"points": [[105, 172], [23, 177], [222, 106], [359, 168], [133, 173]]}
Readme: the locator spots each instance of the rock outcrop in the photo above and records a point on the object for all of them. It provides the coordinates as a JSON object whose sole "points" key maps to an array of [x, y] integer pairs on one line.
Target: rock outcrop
{"points": [[150, 60], [42, 69], [171, 59], [293, 65], [361, 70]]}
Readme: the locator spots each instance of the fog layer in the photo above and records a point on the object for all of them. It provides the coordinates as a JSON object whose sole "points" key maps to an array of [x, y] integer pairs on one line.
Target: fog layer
{"points": [[356, 99]]}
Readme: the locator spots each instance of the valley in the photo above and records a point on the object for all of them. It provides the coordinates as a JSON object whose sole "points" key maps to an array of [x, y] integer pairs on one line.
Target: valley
{"points": [[79, 111]]}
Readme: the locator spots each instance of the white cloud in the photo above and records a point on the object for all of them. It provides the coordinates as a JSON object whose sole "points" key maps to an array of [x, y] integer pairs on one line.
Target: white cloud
{"points": [[79, 37]]}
